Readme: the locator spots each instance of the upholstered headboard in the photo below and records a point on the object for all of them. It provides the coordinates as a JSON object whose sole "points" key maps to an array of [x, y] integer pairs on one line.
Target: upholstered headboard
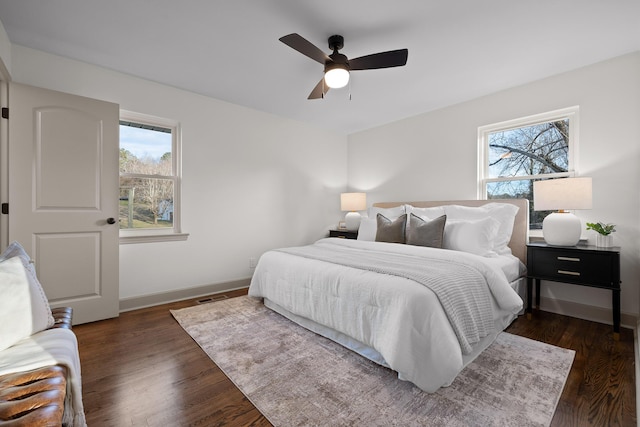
{"points": [[520, 235]]}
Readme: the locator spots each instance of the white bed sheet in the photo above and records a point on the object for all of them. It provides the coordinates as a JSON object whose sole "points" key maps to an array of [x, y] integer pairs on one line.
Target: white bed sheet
{"points": [[406, 330], [510, 265]]}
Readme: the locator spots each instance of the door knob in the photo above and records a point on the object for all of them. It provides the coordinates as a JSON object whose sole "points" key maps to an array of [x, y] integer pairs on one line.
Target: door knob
{"points": [[111, 221]]}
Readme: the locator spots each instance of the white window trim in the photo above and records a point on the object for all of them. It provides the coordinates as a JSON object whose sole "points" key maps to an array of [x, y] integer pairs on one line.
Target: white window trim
{"points": [[167, 234], [572, 113]]}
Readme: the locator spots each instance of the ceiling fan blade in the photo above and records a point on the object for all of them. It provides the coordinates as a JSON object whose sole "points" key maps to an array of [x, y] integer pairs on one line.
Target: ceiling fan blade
{"points": [[305, 47], [319, 90], [392, 58]]}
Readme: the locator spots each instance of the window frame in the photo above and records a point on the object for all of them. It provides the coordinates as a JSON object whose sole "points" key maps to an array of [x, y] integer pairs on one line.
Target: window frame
{"points": [[571, 113], [174, 233]]}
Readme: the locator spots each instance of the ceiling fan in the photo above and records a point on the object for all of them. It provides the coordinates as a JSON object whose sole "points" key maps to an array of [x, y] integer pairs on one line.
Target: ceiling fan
{"points": [[337, 66]]}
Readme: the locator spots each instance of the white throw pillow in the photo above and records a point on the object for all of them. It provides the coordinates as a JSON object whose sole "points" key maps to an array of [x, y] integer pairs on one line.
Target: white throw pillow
{"points": [[16, 321], [389, 213], [504, 213], [428, 213], [40, 310], [475, 237], [368, 229]]}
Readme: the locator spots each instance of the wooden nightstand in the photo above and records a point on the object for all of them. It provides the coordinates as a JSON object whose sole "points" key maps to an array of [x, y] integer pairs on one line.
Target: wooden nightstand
{"points": [[579, 265], [343, 234]]}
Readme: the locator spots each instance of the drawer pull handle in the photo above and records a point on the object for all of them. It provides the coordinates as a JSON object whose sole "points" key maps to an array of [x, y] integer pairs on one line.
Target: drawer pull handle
{"points": [[566, 258], [569, 273]]}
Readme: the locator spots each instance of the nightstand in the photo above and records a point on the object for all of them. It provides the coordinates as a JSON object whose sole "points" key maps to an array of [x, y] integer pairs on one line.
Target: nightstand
{"points": [[343, 234], [578, 265]]}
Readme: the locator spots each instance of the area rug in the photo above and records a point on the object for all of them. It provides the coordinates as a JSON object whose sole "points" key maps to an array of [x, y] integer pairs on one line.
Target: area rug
{"points": [[298, 378]]}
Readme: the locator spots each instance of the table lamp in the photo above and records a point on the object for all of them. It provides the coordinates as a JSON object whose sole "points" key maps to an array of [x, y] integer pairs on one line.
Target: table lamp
{"points": [[351, 203], [562, 228]]}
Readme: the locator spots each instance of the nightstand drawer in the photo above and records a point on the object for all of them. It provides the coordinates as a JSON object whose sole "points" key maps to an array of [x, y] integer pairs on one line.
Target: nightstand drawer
{"points": [[343, 234], [587, 267]]}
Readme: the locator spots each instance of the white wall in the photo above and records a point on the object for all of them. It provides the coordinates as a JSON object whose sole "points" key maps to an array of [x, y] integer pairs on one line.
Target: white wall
{"points": [[433, 156], [251, 181]]}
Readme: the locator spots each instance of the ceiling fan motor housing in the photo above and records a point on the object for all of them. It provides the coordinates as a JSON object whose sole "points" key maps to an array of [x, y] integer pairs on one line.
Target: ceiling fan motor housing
{"points": [[336, 42], [338, 60]]}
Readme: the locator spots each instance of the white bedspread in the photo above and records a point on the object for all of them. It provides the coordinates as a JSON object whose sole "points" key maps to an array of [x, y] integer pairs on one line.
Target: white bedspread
{"points": [[399, 318], [47, 348]]}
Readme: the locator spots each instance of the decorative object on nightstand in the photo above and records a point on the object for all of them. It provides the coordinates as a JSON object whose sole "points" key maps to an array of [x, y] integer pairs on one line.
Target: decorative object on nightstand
{"points": [[562, 228], [604, 238], [351, 203], [578, 265]]}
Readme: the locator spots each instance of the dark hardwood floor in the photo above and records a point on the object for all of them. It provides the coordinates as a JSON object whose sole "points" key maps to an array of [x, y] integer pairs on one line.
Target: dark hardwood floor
{"points": [[142, 369]]}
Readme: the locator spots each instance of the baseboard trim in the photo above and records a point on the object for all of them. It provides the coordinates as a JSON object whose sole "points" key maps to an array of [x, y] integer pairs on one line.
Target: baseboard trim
{"points": [[587, 312], [134, 303]]}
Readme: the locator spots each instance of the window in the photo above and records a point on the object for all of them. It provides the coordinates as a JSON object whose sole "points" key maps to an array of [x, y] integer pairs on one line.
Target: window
{"points": [[514, 154], [149, 179]]}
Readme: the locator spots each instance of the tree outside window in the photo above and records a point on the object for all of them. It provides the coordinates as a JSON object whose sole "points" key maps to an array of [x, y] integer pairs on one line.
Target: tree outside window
{"points": [[515, 154]]}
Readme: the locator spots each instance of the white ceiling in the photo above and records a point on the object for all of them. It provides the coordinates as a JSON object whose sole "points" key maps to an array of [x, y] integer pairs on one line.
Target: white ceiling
{"points": [[229, 50]]}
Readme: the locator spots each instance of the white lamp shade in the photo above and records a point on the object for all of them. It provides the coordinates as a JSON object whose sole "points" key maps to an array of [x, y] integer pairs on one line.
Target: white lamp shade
{"points": [[336, 78], [562, 194], [351, 202]]}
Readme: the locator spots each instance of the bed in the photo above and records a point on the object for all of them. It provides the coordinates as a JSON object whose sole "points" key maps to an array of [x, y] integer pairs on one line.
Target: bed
{"points": [[425, 312]]}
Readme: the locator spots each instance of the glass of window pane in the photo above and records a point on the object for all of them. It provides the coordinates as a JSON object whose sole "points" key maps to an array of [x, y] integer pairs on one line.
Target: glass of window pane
{"points": [[146, 203], [530, 150], [145, 150]]}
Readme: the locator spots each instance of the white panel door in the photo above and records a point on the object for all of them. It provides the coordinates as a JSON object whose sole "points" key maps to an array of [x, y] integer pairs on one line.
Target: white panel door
{"points": [[63, 195]]}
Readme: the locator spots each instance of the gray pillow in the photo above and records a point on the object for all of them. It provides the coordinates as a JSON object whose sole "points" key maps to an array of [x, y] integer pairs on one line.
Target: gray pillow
{"points": [[391, 231], [426, 233]]}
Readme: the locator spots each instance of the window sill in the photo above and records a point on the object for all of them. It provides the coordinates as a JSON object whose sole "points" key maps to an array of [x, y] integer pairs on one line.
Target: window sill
{"points": [[154, 238], [535, 235]]}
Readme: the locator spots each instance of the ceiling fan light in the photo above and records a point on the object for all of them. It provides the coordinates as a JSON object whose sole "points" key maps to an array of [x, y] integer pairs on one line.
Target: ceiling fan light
{"points": [[336, 78]]}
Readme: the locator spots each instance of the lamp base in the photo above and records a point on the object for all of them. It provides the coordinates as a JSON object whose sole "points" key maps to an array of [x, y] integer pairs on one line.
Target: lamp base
{"points": [[352, 221], [561, 229]]}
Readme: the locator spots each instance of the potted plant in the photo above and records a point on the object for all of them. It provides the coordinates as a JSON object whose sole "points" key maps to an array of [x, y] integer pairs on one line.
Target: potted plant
{"points": [[604, 238]]}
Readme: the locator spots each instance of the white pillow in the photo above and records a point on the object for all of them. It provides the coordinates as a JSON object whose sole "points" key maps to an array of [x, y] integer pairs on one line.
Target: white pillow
{"points": [[16, 322], [389, 213], [368, 229], [369, 225], [428, 213], [475, 237], [504, 213], [41, 312]]}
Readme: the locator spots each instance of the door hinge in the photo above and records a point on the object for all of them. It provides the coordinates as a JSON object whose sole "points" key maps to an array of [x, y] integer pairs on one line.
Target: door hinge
{"points": [[5, 208], [5, 112]]}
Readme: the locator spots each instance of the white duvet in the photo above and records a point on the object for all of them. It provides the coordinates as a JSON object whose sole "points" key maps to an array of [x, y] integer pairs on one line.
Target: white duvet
{"points": [[392, 320]]}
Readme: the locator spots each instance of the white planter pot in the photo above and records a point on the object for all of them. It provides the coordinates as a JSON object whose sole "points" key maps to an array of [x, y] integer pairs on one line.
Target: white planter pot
{"points": [[604, 241]]}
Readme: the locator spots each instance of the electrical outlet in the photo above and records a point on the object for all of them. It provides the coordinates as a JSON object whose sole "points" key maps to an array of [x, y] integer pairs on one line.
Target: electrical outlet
{"points": [[252, 262]]}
